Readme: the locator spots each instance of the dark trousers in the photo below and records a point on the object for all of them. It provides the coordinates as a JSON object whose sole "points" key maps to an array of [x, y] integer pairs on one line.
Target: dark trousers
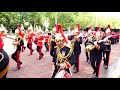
{"points": [[55, 71], [29, 46], [46, 46], [52, 52], [96, 65], [39, 50], [77, 65], [35, 42], [106, 56], [16, 57], [88, 56]]}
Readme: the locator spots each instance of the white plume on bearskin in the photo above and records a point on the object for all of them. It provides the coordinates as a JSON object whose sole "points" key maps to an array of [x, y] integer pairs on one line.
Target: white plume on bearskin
{"points": [[30, 28], [108, 30], [98, 34], [58, 37], [2, 28], [17, 31], [22, 27]]}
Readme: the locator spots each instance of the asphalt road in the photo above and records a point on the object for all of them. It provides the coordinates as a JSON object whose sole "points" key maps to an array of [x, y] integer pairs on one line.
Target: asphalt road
{"points": [[33, 68]]}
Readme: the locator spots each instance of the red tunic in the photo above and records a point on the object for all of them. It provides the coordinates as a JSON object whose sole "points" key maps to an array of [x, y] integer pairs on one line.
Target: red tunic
{"points": [[40, 38], [30, 38], [22, 34], [36, 38], [46, 38], [1, 43]]}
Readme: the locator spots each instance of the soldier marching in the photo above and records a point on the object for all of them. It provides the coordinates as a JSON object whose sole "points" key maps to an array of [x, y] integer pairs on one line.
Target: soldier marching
{"points": [[64, 57]]}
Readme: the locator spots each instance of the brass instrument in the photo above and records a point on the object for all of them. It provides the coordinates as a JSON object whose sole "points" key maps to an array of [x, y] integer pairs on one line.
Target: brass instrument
{"points": [[73, 43], [50, 41], [90, 47]]}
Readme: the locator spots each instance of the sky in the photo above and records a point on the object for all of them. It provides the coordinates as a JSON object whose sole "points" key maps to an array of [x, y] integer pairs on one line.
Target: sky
{"points": [[108, 14]]}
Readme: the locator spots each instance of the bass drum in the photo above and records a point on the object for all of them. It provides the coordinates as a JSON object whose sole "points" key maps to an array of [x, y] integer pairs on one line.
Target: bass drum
{"points": [[63, 74], [8, 47]]}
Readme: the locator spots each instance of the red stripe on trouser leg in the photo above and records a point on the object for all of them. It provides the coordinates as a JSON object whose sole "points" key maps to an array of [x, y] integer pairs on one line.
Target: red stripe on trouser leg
{"points": [[109, 58], [99, 67], [22, 48], [40, 53], [18, 59], [48, 47], [78, 63], [31, 49]]}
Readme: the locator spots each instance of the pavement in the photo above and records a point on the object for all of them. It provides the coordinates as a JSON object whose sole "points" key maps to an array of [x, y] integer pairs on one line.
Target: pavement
{"points": [[33, 68]]}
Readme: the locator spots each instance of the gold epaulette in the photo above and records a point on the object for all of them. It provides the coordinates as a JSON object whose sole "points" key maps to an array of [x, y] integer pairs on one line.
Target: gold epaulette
{"points": [[55, 46], [20, 38], [68, 46]]}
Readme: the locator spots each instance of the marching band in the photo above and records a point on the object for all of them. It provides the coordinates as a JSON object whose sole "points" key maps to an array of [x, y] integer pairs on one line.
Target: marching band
{"points": [[97, 47]]}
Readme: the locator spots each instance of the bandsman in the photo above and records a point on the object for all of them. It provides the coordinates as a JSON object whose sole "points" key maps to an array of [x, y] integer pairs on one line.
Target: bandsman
{"points": [[109, 40], [40, 43], [4, 58], [63, 57], [29, 38], [96, 53], [46, 36], [16, 55], [77, 41], [89, 37]]}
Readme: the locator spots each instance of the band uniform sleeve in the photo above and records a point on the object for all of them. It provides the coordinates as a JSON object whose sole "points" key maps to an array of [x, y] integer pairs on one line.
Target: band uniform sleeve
{"points": [[54, 55], [86, 41], [1, 44], [21, 41], [71, 59], [80, 42], [112, 40], [102, 46]]}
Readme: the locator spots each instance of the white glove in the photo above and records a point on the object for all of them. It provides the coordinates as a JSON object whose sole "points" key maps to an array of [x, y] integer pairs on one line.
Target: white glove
{"points": [[95, 43], [53, 66], [63, 66]]}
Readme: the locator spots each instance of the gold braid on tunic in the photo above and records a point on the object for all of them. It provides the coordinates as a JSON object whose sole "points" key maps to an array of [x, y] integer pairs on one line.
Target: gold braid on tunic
{"points": [[62, 58]]}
